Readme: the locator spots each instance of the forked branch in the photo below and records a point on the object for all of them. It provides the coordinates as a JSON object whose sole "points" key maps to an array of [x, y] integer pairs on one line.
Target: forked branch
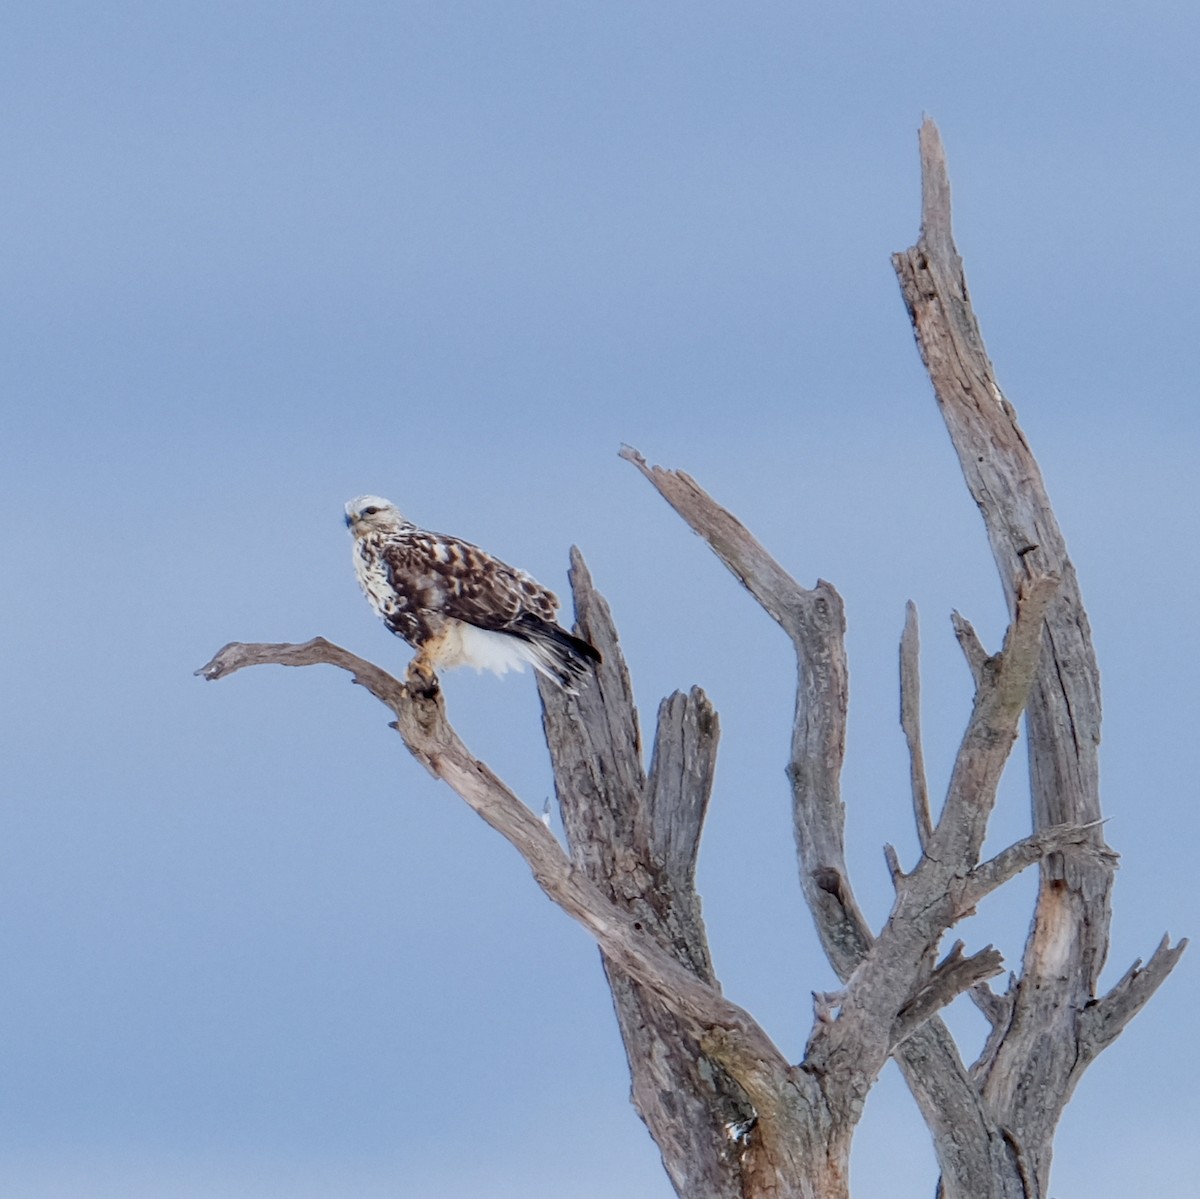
{"points": [[814, 621], [1103, 1021], [952, 977], [1035, 1055]]}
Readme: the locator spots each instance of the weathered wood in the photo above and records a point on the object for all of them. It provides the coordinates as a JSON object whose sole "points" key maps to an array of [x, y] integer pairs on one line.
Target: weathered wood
{"points": [[717, 1134], [421, 721], [1030, 1068], [894, 987], [888, 974], [815, 622], [969, 643], [996, 871], [1103, 1021], [952, 976], [636, 837], [776, 1141], [733, 1119], [910, 722]]}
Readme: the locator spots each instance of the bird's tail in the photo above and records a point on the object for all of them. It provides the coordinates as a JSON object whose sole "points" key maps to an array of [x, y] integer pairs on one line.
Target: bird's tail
{"points": [[557, 654]]}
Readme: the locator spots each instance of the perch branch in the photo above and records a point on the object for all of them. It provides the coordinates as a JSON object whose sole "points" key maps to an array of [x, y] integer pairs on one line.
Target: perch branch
{"points": [[747, 1052], [239, 654]]}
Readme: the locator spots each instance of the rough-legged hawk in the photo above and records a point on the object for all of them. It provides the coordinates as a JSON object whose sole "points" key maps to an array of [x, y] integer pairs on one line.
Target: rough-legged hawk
{"points": [[455, 604]]}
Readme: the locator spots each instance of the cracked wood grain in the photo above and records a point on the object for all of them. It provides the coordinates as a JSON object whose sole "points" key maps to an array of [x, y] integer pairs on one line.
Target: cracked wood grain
{"points": [[1033, 1062], [636, 835]]}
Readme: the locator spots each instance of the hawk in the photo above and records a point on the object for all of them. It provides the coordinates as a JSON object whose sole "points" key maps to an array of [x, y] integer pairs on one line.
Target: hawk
{"points": [[457, 605]]}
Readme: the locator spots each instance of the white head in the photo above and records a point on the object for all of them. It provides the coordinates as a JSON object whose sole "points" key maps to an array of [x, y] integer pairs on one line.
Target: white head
{"points": [[373, 514]]}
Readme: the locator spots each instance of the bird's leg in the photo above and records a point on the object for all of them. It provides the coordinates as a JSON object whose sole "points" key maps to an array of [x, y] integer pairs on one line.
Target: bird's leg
{"points": [[422, 680]]}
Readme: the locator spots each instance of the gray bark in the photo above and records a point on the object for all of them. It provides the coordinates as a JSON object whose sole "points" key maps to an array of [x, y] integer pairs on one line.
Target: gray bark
{"points": [[1047, 1030], [732, 1117], [636, 836]]}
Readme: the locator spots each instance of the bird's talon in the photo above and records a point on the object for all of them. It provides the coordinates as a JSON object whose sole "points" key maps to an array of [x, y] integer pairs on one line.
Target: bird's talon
{"points": [[422, 681]]}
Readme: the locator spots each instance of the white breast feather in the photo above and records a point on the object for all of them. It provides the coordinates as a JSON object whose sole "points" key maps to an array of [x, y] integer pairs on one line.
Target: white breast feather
{"points": [[372, 578]]}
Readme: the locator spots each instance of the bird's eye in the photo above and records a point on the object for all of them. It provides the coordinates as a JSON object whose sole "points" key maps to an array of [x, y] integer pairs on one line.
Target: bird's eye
{"points": [[370, 511]]}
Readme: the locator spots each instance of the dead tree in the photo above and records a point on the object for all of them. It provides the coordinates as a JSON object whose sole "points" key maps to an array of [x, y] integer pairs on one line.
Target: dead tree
{"points": [[733, 1118]]}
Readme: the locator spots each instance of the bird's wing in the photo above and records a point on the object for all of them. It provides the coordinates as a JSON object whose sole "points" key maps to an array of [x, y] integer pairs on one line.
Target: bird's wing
{"points": [[439, 574]]}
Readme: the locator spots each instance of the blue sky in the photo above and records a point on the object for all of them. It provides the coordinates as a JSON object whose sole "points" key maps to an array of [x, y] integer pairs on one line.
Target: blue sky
{"points": [[259, 258]]}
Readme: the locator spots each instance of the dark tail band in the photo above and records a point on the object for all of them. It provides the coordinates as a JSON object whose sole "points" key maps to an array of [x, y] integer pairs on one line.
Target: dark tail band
{"points": [[561, 656]]}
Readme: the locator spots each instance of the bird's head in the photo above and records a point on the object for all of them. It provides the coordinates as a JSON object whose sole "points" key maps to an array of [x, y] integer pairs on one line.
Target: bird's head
{"points": [[371, 514]]}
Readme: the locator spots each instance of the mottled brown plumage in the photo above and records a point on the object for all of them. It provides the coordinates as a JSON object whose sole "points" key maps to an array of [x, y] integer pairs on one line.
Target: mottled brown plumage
{"points": [[454, 603]]}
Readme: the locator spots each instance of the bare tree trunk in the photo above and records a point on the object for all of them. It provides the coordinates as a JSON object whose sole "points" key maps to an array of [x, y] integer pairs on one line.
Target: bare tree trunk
{"points": [[1050, 1025], [636, 837], [732, 1117]]}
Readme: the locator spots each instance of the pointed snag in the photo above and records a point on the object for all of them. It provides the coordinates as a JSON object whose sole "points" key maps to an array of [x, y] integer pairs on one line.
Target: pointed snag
{"points": [[910, 721], [774, 589], [1104, 1020], [969, 643], [936, 231]]}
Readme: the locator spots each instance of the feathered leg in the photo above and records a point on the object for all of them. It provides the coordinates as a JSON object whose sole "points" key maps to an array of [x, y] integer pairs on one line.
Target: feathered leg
{"points": [[422, 677]]}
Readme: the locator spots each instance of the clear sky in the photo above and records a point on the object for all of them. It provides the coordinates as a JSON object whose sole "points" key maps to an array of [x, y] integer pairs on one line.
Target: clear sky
{"points": [[261, 257]]}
